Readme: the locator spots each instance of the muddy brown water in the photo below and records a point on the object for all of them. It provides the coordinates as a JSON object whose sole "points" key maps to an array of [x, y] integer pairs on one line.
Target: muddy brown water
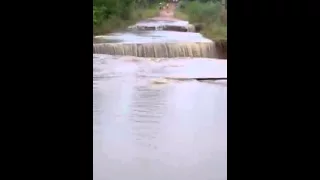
{"points": [[147, 126], [156, 44]]}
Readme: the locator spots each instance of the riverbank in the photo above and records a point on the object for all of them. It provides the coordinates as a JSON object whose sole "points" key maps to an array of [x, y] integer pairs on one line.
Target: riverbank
{"points": [[210, 17]]}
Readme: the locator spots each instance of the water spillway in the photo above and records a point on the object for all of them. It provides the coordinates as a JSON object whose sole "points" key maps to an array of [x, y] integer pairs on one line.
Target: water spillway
{"points": [[167, 50], [155, 44], [162, 24], [159, 104]]}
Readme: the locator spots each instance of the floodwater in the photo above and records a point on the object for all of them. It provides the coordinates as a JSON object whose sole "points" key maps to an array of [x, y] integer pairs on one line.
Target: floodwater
{"points": [[147, 126], [140, 37], [154, 22]]}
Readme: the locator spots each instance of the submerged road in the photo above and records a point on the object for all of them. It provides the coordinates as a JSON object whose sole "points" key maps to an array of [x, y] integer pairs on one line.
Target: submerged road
{"points": [[150, 125]]}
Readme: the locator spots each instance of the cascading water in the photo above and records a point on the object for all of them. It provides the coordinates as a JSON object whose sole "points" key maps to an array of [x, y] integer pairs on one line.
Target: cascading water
{"points": [[167, 25], [151, 111], [170, 50], [156, 44]]}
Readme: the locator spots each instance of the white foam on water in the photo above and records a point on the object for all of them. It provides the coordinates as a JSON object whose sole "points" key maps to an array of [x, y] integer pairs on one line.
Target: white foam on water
{"points": [[154, 37], [162, 23], [108, 65]]}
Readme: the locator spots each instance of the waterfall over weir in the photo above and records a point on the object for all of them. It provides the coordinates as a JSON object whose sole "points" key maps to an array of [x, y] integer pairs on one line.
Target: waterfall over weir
{"points": [[155, 44], [159, 103], [167, 25], [165, 50]]}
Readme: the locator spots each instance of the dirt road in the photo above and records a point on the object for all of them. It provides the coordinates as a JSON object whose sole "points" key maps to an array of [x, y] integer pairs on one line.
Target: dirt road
{"points": [[167, 13]]}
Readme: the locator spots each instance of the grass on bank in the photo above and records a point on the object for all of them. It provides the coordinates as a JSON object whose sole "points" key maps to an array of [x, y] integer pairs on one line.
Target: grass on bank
{"points": [[115, 23], [211, 15], [113, 15]]}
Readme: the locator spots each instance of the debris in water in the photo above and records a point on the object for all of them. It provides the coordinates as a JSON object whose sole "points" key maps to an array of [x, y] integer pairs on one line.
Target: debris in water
{"points": [[198, 78], [160, 81]]}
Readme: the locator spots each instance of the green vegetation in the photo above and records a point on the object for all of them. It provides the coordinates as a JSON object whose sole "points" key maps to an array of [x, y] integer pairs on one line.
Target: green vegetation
{"points": [[111, 15], [209, 13]]}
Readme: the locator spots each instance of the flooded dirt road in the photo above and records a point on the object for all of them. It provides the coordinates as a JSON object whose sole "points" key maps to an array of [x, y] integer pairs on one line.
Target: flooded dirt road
{"points": [[147, 129], [151, 119]]}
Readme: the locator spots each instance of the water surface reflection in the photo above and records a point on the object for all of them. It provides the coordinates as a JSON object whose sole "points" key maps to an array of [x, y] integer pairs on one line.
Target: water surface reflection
{"points": [[145, 131]]}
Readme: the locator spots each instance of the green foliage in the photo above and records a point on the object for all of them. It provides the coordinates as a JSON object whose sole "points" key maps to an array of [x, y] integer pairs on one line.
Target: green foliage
{"points": [[203, 12], [204, 1], [103, 9], [110, 15], [208, 13], [99, 14]]}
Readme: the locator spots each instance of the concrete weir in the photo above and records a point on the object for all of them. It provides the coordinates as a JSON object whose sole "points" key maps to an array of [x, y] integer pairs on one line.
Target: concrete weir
{"points": [[165, 50], [155, 44], [159, 102], [167, 25]]}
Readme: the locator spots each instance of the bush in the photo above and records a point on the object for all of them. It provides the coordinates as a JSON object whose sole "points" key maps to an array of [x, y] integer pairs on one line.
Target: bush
{"points": [[203, 12], [209, 13], [110, 15]]}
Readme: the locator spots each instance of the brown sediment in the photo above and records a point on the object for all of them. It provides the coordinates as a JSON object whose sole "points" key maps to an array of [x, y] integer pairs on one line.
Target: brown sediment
{"points": [[159, 50], [221, 48]]}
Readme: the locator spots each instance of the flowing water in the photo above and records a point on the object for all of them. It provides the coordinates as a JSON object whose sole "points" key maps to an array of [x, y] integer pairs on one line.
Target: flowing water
{"points": [[155, 44], [171, 25], [152, 121]]}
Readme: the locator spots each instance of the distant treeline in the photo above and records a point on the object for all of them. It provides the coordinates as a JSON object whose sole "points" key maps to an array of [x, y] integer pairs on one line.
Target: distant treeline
{"points": [[112, 15]]}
